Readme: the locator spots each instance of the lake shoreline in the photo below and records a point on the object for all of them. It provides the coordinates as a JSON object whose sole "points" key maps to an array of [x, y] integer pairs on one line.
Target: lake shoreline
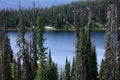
{"points": [[55, 29]]}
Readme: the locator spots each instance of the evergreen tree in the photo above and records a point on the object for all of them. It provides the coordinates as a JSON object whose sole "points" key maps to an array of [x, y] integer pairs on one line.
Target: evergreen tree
{"points": [[23, 46], [67, 75], [41, 72], [6, 62], [13, 65], [73, 70], [61, 75], [52, 73], [33, 49], [18, 68], [101, 70], [81, 37], [5, 57], [94, 70], [85, 57], [82, 66]]}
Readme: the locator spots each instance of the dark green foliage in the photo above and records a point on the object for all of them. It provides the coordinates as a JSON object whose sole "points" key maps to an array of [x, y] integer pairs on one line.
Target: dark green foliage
{"points": [[33, 44], [57, 16], [23, 54], [80, 68], [61, 75], [101, 70], [41, 73], [5, 55], [18, 69], [94, 70], [67, 75], [86, 63], [26, 66], [6, 61], [73, 70], [52, 73], [40, 39]]}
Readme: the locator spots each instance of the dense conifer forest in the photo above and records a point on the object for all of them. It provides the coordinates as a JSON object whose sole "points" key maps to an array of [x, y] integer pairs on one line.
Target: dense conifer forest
{"points": [[32, 62], [58, 16]]}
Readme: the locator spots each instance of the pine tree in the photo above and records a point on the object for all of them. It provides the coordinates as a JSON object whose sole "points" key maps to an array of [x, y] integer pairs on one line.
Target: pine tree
{"points": [[84, 56], [33, 50], [5, 57], [61, 75], [6, 62], [83, 60], [18, 68], [52, 73], [81, 37], [41, 72], [101, 70], [94, 70], [73, 70], [13, 65], [23, 47], [27, 75], [67, 75]]}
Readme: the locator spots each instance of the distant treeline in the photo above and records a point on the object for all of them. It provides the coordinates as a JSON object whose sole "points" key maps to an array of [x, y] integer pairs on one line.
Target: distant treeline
{"points": [[57, 16]]}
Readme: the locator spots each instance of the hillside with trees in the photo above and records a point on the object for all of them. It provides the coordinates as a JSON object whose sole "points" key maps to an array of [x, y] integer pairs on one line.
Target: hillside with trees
{"points": [[60, 17]]}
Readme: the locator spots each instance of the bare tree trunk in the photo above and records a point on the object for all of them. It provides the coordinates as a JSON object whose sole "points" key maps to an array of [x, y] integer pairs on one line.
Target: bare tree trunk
{"points": [[109, 66]]}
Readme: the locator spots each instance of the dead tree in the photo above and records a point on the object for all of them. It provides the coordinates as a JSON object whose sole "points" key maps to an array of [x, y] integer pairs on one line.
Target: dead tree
{"points": [[34, 42], [109, 64], [23, 47]]}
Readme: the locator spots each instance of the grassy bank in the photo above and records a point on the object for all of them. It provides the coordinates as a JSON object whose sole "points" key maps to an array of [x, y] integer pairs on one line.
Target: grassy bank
{"points": [[55, 29], [96, 27]]}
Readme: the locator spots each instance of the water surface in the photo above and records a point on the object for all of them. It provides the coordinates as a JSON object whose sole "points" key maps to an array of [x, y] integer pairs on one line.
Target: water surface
{"points": [[62, 45]]}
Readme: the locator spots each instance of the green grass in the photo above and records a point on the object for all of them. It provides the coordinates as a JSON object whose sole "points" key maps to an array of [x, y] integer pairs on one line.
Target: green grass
{"points": [[96, 27], [51, 29]]}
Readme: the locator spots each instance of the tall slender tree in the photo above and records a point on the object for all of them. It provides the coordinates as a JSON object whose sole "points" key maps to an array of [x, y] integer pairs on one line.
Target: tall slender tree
{"points": [[78, 44], [101, 71], [109, 61], [23, 46], [73, 70], [118, 42], [61, 75], [18, 68], [52, 73], [67, 75], [84, 56], [5, 54], [94, 70], [41, 74], [33, 44]]}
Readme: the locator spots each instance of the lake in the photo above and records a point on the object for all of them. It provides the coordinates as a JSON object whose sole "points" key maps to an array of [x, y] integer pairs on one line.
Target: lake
{"points": [[62, 45]]}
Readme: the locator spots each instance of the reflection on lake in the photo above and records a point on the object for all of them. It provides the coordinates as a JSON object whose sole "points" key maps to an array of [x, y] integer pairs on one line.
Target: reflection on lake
{"points": [[62, 45]]}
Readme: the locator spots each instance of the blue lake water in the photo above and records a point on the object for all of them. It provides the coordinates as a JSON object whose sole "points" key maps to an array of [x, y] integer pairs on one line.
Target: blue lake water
{"points": [[62, 45]]}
